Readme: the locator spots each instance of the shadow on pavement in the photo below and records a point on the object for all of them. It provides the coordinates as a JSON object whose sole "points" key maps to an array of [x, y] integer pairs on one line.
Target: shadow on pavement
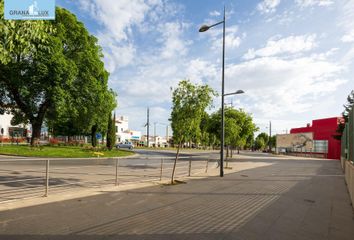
{"points": [[287, 200]]}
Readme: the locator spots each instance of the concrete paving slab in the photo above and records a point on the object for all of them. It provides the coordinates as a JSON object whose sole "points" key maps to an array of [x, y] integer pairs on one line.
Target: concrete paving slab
{"points": [[283, 200]]}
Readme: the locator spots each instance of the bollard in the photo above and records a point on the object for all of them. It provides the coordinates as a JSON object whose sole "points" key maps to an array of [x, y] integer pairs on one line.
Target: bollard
{"points": [[190, 168], [206, 167], [161, 169], [46, 178], [117, 166]]}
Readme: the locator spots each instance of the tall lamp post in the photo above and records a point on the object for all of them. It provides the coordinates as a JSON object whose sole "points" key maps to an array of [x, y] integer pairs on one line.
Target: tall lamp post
{"points": [[222, 137]]}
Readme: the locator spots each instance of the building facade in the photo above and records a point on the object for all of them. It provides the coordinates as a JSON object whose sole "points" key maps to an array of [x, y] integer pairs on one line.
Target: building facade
{"points": [[123, 133], [155, 141], [12, 131], [323, 131]]}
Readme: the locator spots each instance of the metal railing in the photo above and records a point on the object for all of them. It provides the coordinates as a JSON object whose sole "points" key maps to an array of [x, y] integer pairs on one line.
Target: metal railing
{"points": [[32, 177]]}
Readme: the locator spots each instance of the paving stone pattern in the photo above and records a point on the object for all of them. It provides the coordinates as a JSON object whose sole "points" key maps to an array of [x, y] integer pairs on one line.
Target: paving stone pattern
{"points": [[290, 199]]}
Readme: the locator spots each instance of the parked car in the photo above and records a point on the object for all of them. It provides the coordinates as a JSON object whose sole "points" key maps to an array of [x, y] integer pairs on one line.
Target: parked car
{"points": [[128, 145]]}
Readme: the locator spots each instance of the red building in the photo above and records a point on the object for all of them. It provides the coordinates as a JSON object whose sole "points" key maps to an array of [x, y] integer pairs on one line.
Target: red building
{"points": [[323, 131]]}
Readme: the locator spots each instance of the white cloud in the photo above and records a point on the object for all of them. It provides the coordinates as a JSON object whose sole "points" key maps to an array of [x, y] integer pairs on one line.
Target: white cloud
{"points": [[118, 18], [346, 23], [268, 6], [116, 54], [124, 20], [232, 40], [310, 3], [291, 44], [200, 71], [214, 13], [117, 21], [277, 87], [349, 37], [172, 37], [346, 16]]}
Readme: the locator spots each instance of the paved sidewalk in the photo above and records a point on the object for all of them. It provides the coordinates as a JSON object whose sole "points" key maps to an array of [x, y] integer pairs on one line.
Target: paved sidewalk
{"points": [[290, 199]]}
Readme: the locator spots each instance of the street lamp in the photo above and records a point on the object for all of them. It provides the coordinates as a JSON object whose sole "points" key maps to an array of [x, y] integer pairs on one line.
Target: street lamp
{"points": [[234, 93], [203, 29]]}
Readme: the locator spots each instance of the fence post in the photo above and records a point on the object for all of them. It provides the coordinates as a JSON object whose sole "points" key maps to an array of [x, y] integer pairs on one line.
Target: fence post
{"points": [[189, 168], [161, 169], [206, 167], [46, 178], [117, 166]]}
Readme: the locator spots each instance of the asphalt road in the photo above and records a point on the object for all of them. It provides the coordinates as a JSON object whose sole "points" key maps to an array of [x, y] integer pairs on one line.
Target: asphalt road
{"points": [[25, 177]]}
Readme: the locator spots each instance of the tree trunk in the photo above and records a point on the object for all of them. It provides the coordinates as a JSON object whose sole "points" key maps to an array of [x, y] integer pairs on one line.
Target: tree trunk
{"points": [[93, 135], [36, 132], [174, 165]]}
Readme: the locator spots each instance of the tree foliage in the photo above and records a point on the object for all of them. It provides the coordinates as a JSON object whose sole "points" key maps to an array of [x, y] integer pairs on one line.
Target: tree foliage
{"points": [[111, 132], [239, 127], [347, 108], [189, 102], [262, 140], [53, 70]]}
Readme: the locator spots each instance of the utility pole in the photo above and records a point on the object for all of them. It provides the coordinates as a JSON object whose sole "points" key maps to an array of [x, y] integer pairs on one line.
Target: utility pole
{"points": [[155, 133], [270, 136], [148, 127], [167, 134]]}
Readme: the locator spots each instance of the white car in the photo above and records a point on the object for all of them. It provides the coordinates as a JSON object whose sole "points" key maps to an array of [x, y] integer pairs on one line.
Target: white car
{"points": [[128, 145]]}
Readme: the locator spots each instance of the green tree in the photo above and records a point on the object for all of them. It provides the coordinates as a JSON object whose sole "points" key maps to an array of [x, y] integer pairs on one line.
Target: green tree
{"points": [[111, 132], [30, 74], [273, 141], [204, 129], [189, 102], [239, 127], [55, 74], [90, 101], [261, 141], [347, 107], [20, 39]]}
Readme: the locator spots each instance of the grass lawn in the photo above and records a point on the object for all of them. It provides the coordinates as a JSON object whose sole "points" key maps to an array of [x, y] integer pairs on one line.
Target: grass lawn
{"points": [[59, 152]]}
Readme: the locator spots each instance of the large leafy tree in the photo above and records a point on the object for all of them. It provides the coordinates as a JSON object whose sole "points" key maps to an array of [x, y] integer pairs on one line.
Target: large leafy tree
{"points": [[262, 140], [239, 127], [90, 102], [53, 70], [189, 102], [259, 143]]}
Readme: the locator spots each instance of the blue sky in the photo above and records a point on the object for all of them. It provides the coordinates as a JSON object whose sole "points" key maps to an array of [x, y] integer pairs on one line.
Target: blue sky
{"points": [[294, 58]]}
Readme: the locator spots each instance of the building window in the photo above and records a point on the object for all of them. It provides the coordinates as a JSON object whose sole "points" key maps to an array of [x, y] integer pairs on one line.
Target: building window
{"points": [[320, 146]]}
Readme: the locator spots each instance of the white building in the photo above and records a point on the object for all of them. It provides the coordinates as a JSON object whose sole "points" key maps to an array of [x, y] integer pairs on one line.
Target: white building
{"points": [[155, 141], [123, 133], [12, 130]]}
